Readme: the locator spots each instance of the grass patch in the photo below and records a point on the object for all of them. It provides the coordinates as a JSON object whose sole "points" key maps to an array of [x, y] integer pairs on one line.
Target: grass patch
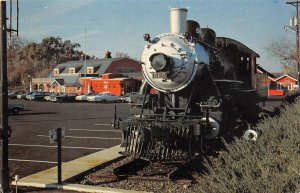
{"points": [[270, 164]]}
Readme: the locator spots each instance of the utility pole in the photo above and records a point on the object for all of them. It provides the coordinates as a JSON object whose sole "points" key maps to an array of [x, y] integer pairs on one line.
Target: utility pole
{"points": [[296, 4], [4, 129]]}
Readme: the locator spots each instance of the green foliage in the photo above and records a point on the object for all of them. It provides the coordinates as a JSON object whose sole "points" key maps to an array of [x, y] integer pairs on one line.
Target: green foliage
{"points": [[270, 164], [38, 59]]}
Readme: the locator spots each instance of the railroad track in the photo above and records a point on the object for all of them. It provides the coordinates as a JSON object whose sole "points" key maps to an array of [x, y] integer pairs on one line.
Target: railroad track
{"points": [[141, 170]]}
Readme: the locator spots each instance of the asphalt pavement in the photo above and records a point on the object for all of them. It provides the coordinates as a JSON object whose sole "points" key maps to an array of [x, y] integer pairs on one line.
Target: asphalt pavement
{"points": [[87, 130]]}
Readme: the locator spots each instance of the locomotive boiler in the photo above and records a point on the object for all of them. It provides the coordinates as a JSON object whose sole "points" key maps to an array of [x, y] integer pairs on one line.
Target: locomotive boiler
{"points": [[197, 88]]}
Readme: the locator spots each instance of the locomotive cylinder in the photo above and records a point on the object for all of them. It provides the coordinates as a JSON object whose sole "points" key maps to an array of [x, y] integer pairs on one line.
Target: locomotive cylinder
{"points": [[178, 20]]}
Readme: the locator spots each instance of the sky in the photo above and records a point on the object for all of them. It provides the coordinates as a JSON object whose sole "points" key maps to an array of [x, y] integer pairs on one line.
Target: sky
{"points": [[119, 25]]}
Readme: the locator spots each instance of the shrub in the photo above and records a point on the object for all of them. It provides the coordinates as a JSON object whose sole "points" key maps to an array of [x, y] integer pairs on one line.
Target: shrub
{"points": [[270, 164]]}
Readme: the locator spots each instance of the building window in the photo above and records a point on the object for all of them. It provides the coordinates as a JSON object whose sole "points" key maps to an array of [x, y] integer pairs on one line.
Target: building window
{"points": [[72, 70], [125, 70], [290, 86], [56, 72], [90, 70], [279, 86]]}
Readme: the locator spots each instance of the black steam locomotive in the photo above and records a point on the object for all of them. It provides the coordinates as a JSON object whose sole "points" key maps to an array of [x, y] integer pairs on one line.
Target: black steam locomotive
{"points": [[197, 88]]}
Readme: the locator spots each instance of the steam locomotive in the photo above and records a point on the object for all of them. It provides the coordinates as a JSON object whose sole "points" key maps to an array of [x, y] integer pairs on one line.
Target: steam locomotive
{"points": [[197, 87]]}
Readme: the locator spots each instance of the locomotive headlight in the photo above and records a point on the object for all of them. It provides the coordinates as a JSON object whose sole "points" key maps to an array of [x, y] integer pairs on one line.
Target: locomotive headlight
{"points": [[159, 61]]}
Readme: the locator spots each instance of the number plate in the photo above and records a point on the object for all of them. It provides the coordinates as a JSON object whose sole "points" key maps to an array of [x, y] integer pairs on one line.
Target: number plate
{"points": [[163, 75]]}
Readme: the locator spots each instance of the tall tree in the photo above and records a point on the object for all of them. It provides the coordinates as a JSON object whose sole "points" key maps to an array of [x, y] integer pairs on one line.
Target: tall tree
{"points": [[15, 44], [38, 59], [285, 50]]}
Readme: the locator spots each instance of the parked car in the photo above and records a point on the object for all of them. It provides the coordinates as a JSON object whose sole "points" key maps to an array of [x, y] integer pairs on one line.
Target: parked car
{"points": [[15, 109], [124, 97], [39, 96], [13, 94], [28, 96], [64, 97], [23, 95], [104, 97], [91, 98], [50, 96], [129, 97], [83, 97]]}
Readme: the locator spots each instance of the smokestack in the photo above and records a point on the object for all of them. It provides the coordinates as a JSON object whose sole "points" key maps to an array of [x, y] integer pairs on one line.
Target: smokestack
{"points": [[178, 20], [107, 54]]}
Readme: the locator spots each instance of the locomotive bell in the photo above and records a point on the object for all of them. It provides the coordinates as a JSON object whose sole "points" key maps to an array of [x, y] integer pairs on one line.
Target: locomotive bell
{"points": [[193, 28]]}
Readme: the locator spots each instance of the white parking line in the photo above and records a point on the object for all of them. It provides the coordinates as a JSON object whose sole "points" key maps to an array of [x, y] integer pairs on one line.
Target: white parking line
{"points": [[95, 130], [49, 146], [35, 161], [102, 124], [78, 137]]}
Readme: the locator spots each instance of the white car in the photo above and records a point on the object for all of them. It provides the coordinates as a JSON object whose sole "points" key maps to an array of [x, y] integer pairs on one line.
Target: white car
{"points": [[23, 96], [91, 98], [83, 97], [104, 97], [48, 97]]}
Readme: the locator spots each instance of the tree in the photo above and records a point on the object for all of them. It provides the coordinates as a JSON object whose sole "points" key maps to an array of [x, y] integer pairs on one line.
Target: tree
{"points": [[285, 50], [38, 59], [15, 44], [121, 55]]}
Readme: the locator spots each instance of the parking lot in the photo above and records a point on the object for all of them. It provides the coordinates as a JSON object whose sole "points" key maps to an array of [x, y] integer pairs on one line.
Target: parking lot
{"points": [[88, 130]]}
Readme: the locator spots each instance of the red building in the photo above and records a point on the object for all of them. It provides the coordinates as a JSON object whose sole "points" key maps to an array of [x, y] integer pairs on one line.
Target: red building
{"points": [[286, 83], [113, 83], [281, 85], [66, 77]]}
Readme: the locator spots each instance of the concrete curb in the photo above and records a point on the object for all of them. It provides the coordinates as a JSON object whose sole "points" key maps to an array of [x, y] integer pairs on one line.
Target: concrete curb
{"points": [[85, 188], [78, 188], [48, 178]]}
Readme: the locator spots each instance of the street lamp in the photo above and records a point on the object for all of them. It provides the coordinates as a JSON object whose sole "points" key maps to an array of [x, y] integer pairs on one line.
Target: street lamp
{"points": [[294, 25], [30, 88]]}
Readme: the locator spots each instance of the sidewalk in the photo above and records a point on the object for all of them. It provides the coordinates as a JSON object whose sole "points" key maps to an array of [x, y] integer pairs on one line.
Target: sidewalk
{"points": [[48, 178]]}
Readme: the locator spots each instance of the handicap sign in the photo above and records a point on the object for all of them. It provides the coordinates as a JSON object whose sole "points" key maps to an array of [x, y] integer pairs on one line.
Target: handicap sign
{"points": [[53, 134]]}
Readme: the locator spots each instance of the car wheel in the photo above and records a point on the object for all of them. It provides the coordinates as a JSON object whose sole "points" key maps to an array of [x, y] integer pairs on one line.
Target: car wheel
{"points": [[16, 111]]}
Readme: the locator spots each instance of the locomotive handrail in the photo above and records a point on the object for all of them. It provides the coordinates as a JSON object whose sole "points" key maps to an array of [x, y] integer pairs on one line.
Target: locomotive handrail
{"points": [[209, 106]]}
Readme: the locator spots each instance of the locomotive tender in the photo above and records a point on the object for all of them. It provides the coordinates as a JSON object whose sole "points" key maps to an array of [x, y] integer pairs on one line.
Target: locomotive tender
{"points": [[197, 87]]}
